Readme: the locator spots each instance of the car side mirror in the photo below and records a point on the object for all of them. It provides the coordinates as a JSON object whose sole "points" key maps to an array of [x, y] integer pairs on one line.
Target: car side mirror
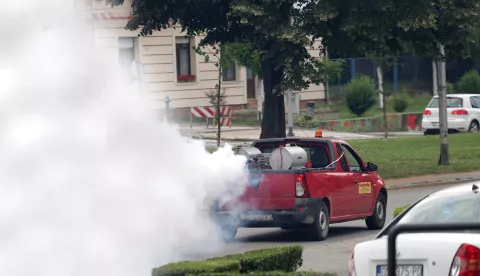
{"points": [[372, 167]]}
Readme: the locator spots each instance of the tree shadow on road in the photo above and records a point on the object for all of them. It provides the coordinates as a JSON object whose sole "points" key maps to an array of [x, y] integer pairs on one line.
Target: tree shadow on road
{"points": [[302, 235]]}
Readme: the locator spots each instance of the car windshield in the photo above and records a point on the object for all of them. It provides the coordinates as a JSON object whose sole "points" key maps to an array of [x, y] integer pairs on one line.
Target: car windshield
{"points": [[445, 208], [452, 102]]}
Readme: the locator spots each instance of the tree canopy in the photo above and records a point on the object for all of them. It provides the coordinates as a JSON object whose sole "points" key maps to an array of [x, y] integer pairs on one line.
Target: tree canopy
{"points": [[280, 33], [272, 27]]}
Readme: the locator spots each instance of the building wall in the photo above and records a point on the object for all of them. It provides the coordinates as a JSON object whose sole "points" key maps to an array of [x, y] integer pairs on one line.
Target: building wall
{"points": [[158, 55]]}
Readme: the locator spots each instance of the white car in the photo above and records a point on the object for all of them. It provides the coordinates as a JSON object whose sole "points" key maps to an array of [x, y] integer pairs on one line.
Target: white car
{"points": [[428, 254], [463, 114]]}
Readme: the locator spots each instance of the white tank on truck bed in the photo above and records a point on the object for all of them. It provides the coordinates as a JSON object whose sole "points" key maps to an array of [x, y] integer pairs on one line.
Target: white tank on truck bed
{"points": [[289, 157]]}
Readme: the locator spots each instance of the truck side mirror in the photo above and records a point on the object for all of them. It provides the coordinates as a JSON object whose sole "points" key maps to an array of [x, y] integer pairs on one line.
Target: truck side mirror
{"points": [[372, 167]]}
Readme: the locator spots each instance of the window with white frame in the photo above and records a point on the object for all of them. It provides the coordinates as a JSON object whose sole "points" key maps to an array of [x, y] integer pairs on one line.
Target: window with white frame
{"points": [[185, 58], [229, 72], [127, 53]]}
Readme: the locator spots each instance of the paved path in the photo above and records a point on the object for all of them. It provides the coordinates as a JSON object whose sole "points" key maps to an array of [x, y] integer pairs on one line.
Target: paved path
{"points": [[240, 135], [332, 254]]}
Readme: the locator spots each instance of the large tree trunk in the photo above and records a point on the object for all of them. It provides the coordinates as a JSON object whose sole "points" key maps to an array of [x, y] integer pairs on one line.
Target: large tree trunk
{"points": [[273, 119]]}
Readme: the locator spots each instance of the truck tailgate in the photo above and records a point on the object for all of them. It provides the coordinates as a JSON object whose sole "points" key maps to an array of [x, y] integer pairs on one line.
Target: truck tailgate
{"points": [[266, 191]]}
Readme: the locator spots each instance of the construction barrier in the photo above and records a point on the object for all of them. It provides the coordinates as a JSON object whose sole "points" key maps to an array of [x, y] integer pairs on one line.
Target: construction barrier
{"points": [[209, 112]]}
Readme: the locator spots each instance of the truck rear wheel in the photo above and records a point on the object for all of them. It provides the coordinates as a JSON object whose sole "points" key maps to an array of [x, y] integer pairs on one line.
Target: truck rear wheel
{"points": [[321, 225], [377, 220], [228, 232]]}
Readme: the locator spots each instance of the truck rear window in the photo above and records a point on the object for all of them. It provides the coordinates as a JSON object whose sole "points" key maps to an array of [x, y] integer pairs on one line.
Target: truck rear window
{"points": [[317, 153], [452, 102]]}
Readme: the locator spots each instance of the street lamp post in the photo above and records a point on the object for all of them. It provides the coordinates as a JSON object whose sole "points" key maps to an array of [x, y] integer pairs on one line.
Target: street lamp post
{"points": [[290, 98]]}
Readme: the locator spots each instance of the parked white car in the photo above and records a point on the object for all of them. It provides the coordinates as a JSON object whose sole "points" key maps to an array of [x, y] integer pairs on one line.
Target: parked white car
{"points": [[463, 113], [428, 254]]}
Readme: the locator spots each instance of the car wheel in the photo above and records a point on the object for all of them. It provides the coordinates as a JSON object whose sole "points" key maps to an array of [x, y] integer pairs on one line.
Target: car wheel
{"points": [[321, 225], [377, 220], [228, 232], [474, 127]]}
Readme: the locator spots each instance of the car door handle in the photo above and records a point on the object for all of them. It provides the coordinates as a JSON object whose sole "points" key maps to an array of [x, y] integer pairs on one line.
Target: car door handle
{"points": [[355, 181]]}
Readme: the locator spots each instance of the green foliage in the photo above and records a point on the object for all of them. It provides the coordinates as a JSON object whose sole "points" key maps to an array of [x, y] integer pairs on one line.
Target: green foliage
{"points": [[398, 210], [469, 83], [400, 101], [332, 69], [188, 268], [302, 121], [360, 95], [286, 258], [450, 88]]}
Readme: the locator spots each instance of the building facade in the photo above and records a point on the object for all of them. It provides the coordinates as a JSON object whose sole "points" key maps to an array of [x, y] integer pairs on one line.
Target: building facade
{"points": [[170, 65]]}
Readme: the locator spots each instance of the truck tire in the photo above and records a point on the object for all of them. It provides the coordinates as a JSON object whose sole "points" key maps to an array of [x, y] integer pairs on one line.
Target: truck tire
{"points": [[377, 220], [227, 232], [321, 225]]}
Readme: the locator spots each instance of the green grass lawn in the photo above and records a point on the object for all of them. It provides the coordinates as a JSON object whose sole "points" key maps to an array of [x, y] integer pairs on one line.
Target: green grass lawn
{"points": [[416, 104], [410, 156]]}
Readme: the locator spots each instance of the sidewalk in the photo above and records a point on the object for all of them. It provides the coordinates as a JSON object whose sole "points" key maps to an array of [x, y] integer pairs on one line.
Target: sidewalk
{"points": [[250, 133], [432, 179]]}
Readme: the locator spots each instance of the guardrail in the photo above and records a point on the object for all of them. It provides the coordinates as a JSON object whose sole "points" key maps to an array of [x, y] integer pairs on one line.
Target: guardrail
{"points": [[419, 228]]}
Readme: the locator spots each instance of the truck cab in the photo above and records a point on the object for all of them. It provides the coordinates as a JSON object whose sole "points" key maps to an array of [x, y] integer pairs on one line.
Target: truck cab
{"points": [[304, 183]]}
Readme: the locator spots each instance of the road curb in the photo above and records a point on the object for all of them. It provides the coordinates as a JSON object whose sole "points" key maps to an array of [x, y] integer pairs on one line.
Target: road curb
{"points": [[429, 183]]}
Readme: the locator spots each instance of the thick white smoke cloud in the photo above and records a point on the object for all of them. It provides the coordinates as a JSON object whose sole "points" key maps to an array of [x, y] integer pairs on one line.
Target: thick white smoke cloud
{"points": [[90, 182]]}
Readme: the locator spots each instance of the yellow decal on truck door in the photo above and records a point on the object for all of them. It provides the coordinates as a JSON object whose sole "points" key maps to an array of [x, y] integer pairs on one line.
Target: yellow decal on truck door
{"points": [[364, 188]]}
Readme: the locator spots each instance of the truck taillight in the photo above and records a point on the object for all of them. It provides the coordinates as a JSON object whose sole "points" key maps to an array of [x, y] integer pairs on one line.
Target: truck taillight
{"points": [[301, 189], [351, 265], [459, 112], [466, 261]]}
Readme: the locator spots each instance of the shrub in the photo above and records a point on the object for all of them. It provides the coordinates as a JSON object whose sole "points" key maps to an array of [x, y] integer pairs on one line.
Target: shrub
{"points": [[286, 258], [469, 83], [274, 273], [302, 121], [360, 95], [205, 267], [398, 210], [450, 88], [400, 102]]}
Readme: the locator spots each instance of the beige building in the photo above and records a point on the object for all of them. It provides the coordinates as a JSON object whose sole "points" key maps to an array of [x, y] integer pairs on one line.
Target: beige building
{"points": [[171, 68]]}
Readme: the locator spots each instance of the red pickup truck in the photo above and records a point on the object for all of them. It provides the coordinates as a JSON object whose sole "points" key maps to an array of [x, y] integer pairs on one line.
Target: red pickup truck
{"points": [[304, 183]]}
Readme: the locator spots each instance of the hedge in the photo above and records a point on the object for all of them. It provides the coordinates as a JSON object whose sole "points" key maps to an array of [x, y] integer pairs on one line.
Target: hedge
{"points": [[398, 210], [273, 273], [199, 267], [286, 258]]}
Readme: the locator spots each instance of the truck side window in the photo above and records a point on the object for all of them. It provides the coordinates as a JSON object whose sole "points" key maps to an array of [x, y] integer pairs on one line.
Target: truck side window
{"points": [[353, 160], [319, 157], [343, 161]]}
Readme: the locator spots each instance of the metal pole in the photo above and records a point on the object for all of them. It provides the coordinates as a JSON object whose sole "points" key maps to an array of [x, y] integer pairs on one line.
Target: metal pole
{"points": [[442, 103], [435, 78], [191, 119], [290, 113]]}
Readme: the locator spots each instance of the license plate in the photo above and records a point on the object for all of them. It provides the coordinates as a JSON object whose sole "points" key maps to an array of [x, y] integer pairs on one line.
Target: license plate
{"points": [[402, 270], [435, 124], [256, 217]]}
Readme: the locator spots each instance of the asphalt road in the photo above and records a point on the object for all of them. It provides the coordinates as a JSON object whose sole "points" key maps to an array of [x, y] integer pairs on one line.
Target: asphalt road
{"points": [[331, 255]]}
